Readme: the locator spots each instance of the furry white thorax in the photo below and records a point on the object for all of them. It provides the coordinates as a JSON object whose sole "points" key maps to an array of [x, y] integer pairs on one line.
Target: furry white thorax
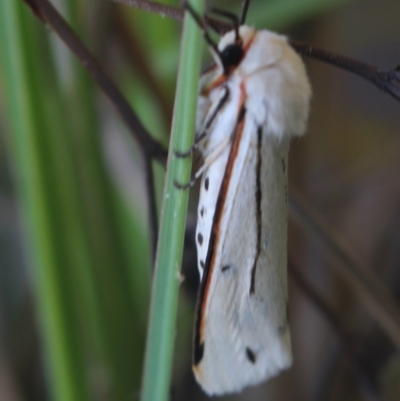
{"points": [[282, 78]]}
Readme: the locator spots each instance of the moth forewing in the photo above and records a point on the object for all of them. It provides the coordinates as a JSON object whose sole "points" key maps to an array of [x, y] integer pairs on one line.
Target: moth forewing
{"points": [[241, 334], [224, 121]]}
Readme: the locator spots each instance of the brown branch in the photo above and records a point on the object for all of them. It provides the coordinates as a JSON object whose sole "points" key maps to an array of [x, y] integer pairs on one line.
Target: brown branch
{"points": [[35, 10], [319, 302], [49, 14], [350, 342], [151, 148], [373, 295], [385, 79]]}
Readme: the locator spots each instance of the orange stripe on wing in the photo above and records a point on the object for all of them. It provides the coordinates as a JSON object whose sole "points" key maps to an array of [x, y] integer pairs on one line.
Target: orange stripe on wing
{"points": [[215, 235], [215, 83]]}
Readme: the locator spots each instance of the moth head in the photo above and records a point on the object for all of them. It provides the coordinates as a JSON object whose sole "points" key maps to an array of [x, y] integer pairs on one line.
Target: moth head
{"points": [[232, 47]]}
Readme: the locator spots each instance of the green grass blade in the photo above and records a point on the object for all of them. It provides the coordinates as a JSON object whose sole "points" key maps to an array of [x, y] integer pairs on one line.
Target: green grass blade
{"points": [[160, 340], [92, 288], [119, 336], [31, 146]]}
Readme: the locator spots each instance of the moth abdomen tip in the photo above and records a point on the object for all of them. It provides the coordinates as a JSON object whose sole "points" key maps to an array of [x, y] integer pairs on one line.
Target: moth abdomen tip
{"points": [[198, 353]]}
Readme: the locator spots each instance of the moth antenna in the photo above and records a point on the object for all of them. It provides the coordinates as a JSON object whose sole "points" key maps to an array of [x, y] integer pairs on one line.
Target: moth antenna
{"points": [[230, 16], [204, 28], [245, 7]]}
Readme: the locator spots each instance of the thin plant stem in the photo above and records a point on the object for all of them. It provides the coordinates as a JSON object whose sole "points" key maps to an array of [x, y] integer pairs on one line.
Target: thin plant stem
{"points": [[164, 303]]}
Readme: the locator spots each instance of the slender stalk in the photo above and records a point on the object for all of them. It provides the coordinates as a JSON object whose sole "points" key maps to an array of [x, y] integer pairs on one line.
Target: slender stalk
{"points": [[160, 340]]}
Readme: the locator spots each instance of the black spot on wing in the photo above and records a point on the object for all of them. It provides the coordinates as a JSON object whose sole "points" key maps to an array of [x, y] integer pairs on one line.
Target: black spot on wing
{"points": [[200, 238], [251, 356], [206, 183], [225, 268], [202, 211], [202, 264]]}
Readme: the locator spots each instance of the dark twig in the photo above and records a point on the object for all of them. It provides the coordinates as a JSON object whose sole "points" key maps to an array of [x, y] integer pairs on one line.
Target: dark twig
{"points": [[48, 13], [318, 301], [35, 9], [373, 295], [150, 147], [348, 341], [385, 79]]}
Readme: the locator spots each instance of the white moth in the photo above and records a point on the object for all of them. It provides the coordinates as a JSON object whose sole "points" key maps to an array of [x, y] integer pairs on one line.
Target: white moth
{"points": [[251, 103]]}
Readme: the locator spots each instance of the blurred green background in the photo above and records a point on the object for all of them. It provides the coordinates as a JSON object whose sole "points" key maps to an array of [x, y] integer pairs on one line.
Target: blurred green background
{"points": [[75, 252]]}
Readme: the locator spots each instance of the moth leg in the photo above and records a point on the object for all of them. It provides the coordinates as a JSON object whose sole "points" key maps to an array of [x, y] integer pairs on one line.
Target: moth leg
{"points": [[210, 159], [207, 126], [212, 156], [189, 185], [201, 22], [189, 152]]}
